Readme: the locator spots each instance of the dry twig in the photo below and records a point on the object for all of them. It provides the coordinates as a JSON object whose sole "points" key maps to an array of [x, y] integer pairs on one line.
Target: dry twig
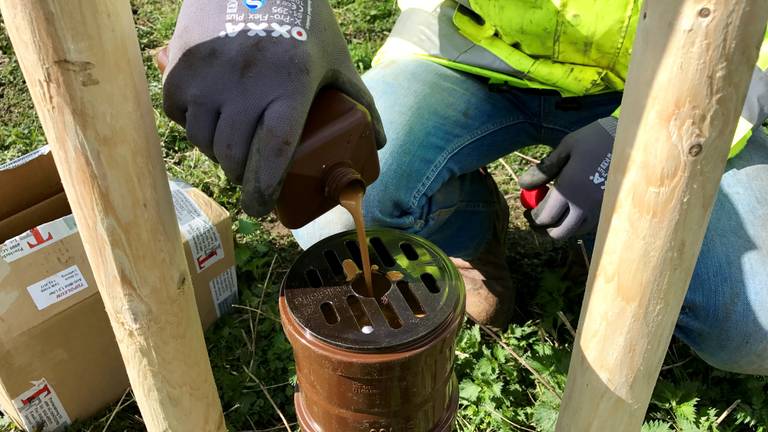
{"points": [[510, 422], [254, 426], [234, 407], [727, 412], [509, 169], [120, 405], [266, 393], [522, 361], [567, 323], [268, 315], [672, 366], [584, 253], [278, 385], [528, 158], [466, 424], [255, 326]]}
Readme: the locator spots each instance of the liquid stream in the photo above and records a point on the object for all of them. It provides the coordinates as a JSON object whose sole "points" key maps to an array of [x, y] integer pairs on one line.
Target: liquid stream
{"points": [[351, 198]]}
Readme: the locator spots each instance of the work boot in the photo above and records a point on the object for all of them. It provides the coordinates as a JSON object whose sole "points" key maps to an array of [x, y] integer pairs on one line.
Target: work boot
{"points": [[488, 282]]}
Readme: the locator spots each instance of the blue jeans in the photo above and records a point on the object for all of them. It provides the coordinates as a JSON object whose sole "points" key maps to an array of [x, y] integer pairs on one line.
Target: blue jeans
{"points": [[443, 125]]}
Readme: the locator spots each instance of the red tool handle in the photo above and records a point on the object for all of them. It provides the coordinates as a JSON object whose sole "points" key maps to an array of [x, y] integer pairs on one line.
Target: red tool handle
{"points": [[530, 198]]}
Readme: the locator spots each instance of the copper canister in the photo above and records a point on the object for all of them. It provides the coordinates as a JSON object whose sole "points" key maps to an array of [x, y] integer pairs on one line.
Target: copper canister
{"points": [[374, 364]]}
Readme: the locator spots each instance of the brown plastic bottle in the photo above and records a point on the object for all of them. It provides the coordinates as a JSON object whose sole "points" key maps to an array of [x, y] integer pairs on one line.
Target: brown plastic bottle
{"points": [[337, 148]]}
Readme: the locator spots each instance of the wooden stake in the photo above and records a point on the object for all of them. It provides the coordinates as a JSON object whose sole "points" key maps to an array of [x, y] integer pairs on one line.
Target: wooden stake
{"points": [[83, 67], [690, 69]]}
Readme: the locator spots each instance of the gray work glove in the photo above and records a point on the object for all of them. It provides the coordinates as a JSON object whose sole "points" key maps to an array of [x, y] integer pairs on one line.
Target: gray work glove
{"points": [[241, 76], [756, 105], [580, 165]]}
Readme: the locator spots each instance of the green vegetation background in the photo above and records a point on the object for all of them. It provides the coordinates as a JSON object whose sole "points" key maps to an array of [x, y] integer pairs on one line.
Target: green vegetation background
{"points": [[497, 392]]}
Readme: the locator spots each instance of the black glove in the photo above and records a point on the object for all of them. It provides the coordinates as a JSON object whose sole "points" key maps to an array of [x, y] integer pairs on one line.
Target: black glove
{"points": [[580, 165], [241, 77]]}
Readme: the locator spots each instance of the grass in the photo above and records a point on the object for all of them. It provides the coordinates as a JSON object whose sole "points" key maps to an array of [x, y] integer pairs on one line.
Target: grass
{"points": [[499, 391]]}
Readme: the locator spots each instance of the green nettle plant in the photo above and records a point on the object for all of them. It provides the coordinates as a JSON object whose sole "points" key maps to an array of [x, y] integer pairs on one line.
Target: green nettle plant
{"points": [[510, 381]]}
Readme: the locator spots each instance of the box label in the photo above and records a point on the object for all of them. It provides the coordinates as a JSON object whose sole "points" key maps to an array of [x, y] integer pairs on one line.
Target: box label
{"points": [[37, 238], [57, 287], [197, 229], [40, 409], [224, 291]]}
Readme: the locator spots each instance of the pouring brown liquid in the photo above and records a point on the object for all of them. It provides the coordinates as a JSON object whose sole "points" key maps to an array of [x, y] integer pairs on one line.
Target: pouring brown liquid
{"points": [[351, 198]]}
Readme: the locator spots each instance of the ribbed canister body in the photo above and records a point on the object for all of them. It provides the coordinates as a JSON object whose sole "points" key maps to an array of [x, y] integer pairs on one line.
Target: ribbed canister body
{"points": [[339, 390], [374, 364]]}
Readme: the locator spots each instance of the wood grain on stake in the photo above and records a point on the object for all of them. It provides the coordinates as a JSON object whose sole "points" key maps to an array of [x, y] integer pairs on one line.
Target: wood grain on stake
{"points": [[691, 65], [82, 64]]}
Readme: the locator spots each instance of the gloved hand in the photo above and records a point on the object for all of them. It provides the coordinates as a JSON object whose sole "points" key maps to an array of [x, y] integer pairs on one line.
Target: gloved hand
{"points": [[580, 164], [755, 109], [241, 77]]}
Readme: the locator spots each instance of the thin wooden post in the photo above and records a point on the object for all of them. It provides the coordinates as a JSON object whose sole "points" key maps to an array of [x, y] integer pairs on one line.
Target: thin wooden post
{"points": [[83, 67], [691, 65]]}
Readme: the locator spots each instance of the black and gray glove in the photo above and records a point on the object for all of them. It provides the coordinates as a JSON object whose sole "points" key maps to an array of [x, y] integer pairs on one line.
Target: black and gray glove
{"points": [[756, 105], [241, 77], [580, 165]]}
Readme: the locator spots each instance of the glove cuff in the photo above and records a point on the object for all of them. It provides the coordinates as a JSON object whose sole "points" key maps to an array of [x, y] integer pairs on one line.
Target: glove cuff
{"points": [[610, 124]]}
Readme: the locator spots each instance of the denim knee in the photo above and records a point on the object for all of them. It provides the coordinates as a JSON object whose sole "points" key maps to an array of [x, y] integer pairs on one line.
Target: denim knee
{"points": [[724, 317], [729, 344], [458, 217], [725, 314]]}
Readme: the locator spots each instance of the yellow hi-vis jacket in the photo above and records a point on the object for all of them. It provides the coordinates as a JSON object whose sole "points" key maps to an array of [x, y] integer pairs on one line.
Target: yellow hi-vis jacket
{"points": [[575, 47]]}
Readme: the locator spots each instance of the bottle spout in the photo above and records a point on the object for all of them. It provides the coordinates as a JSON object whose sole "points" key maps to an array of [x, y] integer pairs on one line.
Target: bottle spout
{"points": [[342, 177]]}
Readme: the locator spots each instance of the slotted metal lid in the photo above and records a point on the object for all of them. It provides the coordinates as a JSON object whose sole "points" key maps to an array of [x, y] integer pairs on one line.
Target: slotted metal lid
{"points": [[419, 291]]}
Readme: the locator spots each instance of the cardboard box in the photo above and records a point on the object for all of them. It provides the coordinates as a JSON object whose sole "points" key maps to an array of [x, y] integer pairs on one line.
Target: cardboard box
{"points": [[58, 357]]}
